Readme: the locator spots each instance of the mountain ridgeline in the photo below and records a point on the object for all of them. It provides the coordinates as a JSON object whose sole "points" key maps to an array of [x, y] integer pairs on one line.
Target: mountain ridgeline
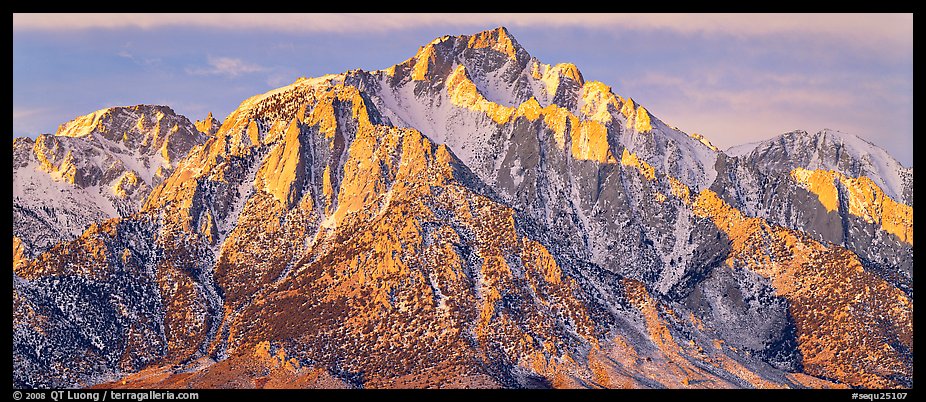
{"points": [[470, 217]]}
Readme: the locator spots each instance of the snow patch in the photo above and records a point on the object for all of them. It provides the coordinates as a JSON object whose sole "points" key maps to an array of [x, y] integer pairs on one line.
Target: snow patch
{"points": [[743, 149]]}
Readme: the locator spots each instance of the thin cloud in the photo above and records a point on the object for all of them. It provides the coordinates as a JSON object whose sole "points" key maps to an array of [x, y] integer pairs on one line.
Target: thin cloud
{"points": [[734, 116], [28, 120], [226, 66], [870, 25], [21, 112], [882, 34], [144, 62], [748, 88]]}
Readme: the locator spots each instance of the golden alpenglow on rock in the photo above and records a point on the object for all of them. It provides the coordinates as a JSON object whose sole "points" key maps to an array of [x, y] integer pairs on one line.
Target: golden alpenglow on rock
{"points": [[631, 160], [591, 143], [642, 121], [863, 198], [821, 183], [423, 60], [598, 100], [496, 39], [827, 287], [551, 76], [467, 218], [704, 141], [463, 93], [282, 173]]}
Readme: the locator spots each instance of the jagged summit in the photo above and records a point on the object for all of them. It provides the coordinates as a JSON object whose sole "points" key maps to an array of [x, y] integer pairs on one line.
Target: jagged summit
{"points": [[148, 129], [208, 126], [101, 120], [498, 39], [489, 74]]}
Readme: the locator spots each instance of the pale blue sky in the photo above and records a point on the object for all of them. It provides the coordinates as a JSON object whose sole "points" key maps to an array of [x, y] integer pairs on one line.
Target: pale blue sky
{"points": [[733, 78]]}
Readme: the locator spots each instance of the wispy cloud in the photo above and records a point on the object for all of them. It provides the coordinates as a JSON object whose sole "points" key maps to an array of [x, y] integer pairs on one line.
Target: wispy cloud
{"points": [[28, 120], [25, 112], [226, 66], [141, 61], [747, 90], [871, 25], [878, 33]]}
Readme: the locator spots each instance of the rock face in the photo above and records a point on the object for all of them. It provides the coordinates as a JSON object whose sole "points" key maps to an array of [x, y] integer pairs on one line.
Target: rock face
{"points": [[209, 125], [96, 167], [472, 217]]}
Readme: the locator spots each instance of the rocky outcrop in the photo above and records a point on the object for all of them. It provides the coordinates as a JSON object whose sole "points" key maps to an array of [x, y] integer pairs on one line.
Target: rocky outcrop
{"points": [[208, 126]]}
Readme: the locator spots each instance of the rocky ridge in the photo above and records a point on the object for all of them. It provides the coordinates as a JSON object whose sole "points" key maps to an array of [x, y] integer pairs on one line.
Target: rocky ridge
{"points": [[95, 167], [473, 217]]}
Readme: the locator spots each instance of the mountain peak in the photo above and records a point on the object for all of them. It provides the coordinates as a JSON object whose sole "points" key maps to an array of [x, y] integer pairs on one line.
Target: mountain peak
{"points": [[148, 129], [826, 138], [834, 150], [102, 119], [137, 127], [209, 125], [498, 39], [494, 52]]}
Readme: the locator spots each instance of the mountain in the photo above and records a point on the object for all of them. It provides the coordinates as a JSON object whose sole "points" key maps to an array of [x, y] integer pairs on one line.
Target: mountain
{"points": [[832, 150], [95, 167], [866, 195], [472, 217]]}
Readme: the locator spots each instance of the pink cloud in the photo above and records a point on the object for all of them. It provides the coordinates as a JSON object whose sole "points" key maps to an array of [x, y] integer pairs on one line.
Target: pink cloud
{"points": [[227, 66], [874, 26]]}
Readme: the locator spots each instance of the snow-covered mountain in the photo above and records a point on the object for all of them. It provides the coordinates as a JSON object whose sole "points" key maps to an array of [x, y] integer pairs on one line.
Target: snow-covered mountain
{"points": [[472, 217], [489, 80], [831, 150], [834, 186], [95, 167]]}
